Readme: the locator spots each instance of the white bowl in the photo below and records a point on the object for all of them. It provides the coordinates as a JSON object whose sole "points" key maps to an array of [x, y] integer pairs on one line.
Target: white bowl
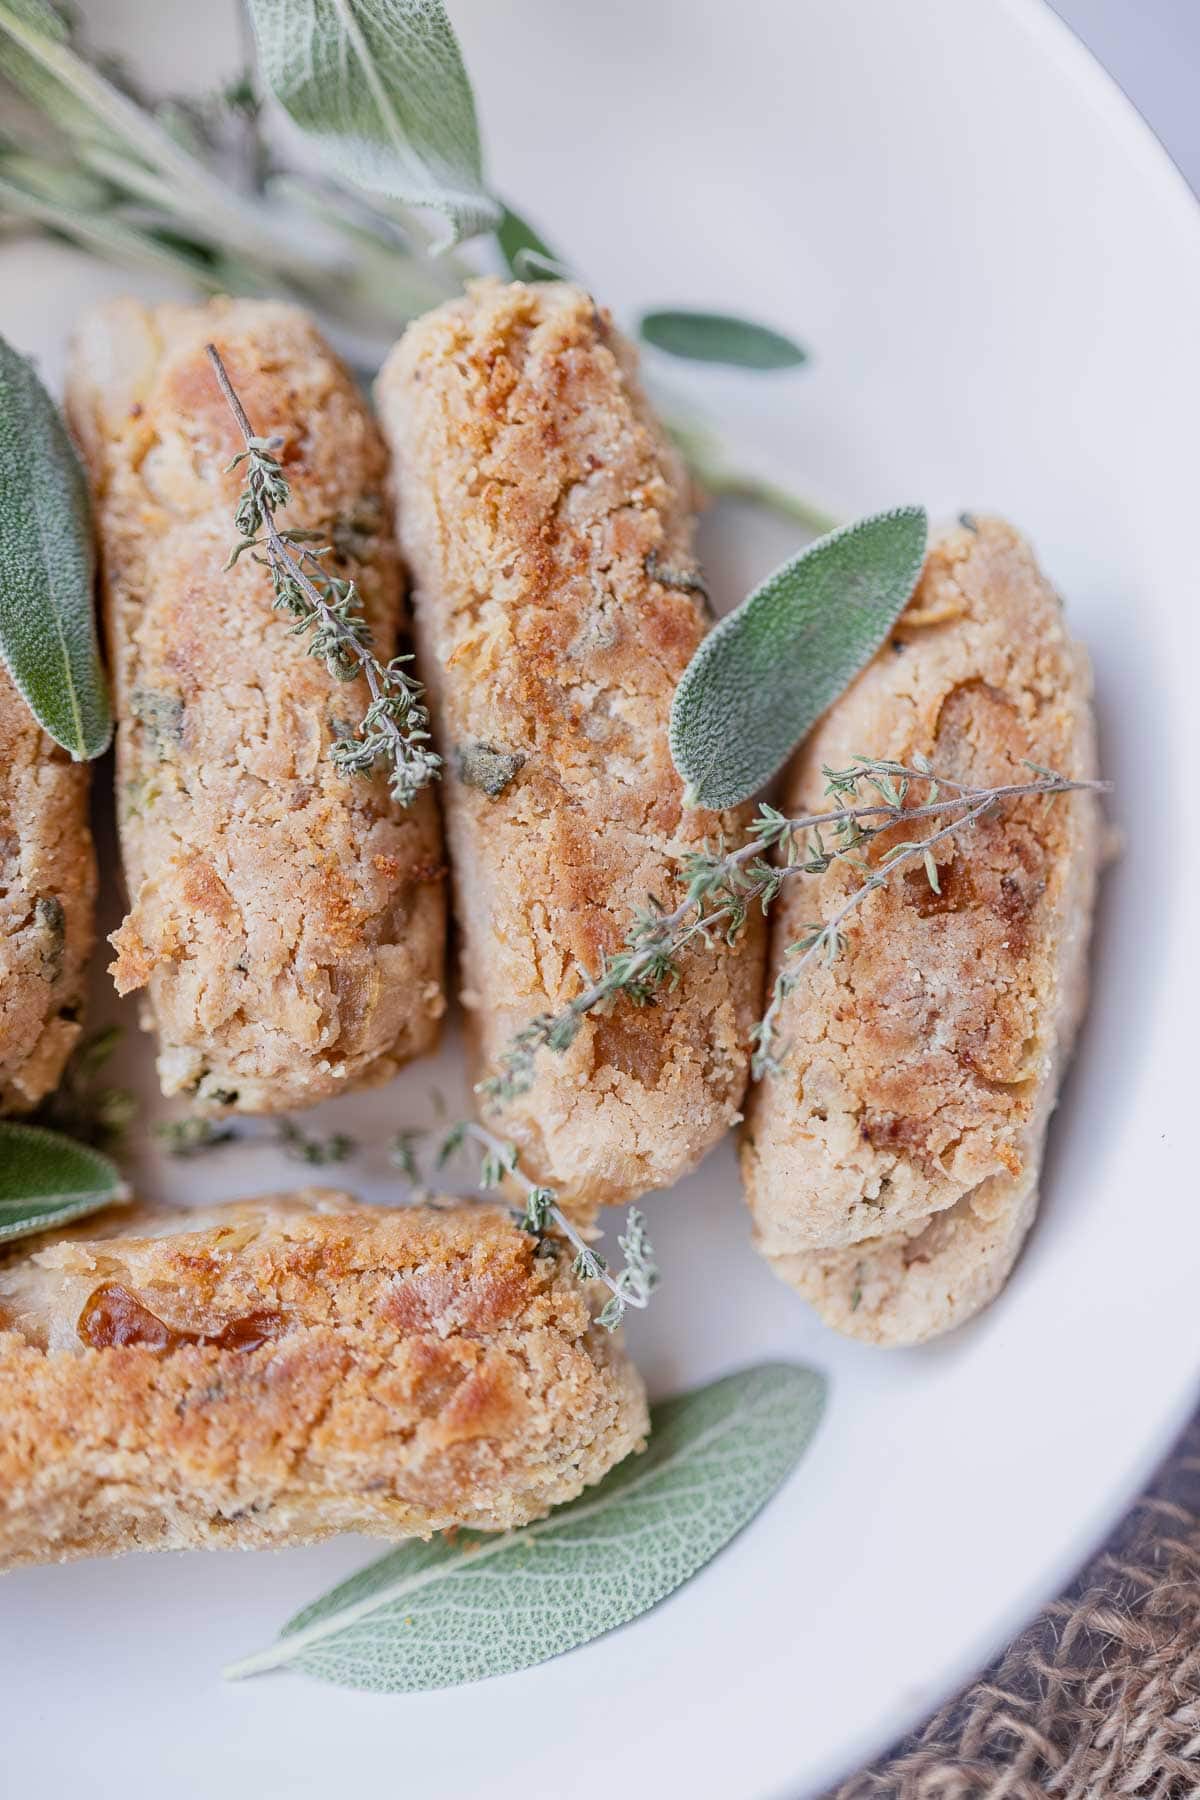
{"points": [[999, 274]]}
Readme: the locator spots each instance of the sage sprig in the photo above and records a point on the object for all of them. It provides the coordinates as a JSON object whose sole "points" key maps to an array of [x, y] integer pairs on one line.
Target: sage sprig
{"points": [[455, 1610], [48, 1181], [720, 338], [379, 89], [395, 726], [47, 622], [763, 677]]}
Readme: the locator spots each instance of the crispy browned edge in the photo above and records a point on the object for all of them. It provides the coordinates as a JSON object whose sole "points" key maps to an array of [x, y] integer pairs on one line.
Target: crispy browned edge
{"points": [[431, 1368]]}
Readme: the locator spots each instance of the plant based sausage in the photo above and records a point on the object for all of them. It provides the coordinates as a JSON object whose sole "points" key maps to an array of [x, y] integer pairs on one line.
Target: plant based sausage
{"points": [[546, 523], [892, 1166], [274, 1371], [47, 896], [286, 920]]}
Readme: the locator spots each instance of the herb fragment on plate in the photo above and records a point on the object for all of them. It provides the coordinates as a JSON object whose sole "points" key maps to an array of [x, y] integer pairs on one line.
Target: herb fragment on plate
{"points": [[47, 1181], [542, 1214], [192, 1136], [394, 729], [379, 90], [79, 1106], [721, 887], [317, 1152], [465, 1608], [764, 675], [720, 338], [47, 623]]}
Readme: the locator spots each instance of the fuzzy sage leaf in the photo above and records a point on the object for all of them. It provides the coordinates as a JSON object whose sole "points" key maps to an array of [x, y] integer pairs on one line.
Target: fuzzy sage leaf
{"points": [[761, 679], [47, 624], [720, 338], [439, 1614], [380, 90], [48, 1180]]}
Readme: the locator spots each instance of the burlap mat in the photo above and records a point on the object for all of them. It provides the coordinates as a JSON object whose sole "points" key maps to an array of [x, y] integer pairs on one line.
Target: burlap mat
{"points": [[1100, 1696]]}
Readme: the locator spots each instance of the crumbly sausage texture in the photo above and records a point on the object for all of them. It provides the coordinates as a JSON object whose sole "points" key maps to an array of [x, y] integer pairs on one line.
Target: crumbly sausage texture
{"points": [[47, 895], [282, 1369], [892, 1166], [286, 921], [544, 517]]}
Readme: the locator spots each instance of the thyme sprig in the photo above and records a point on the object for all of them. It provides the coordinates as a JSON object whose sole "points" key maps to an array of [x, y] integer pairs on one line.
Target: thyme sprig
{"points": [[541, 1215], [394, 729], [721, 888]]}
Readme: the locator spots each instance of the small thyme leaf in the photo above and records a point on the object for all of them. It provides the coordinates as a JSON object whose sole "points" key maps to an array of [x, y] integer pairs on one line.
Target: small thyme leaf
{"points": [[488, 767], [542, 1215], [477, 1604], [765, 674], [48, 1181], [402, 1154], [79, 1107], [720, 338], [192, 1136], [395, 727], [687, 581], [317, 1152]]}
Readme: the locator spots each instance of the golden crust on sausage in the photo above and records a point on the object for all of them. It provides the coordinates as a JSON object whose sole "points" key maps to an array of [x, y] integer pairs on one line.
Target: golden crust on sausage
{"points": [[892, 1166], [47, 895], [276, 1370], [286, 920], [545, 519]]}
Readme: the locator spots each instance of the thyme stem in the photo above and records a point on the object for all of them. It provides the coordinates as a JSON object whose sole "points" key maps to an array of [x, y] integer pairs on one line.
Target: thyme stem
{"points": [[395, 726], [828, 939], [721, 890], [636, 1282]]}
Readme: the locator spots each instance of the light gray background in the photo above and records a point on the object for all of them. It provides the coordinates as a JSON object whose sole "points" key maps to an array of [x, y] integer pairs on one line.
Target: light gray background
{"points": [[1152, 48]]}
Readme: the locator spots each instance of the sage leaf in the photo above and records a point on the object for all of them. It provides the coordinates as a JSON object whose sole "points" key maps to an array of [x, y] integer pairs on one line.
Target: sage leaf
{"points": [[47, 622], [48, 1180], [380, 90], [763, 676], [527, 256], [720, 338], [438, 1614]]}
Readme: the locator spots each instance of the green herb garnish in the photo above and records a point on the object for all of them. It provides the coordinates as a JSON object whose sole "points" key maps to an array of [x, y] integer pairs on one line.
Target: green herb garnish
{"points": [[46, 1181], [47, 626], [394, 729], [478, 1604]]}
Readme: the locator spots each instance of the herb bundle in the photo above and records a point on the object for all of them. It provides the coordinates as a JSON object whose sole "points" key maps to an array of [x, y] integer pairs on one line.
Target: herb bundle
{"points": [[379, 94]]}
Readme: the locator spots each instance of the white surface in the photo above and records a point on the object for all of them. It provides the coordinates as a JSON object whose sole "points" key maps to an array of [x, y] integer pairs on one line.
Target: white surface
{"points": [[1153, 50], [1001, 277]]}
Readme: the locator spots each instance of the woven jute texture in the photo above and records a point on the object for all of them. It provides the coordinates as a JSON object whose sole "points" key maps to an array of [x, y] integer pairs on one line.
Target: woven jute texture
{"points": [[1100, 1696]]}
